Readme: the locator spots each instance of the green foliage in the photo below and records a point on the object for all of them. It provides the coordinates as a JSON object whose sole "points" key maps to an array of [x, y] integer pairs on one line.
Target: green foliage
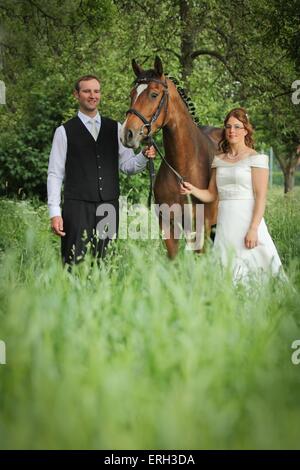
{"points": [[219, 56], [279, 181], [282, 214], [145, 353], [49, 53], [25, 145]]}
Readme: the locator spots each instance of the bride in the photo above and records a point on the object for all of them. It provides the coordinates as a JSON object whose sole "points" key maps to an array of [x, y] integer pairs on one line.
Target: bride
{"points": [[239, 180]]}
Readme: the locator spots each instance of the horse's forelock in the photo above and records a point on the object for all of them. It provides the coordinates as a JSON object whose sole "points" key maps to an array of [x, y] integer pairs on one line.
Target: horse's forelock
{"points": [[146, 74]]}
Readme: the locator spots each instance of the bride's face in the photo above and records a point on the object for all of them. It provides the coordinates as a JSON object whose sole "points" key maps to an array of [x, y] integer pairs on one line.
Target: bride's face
{"points": [[235, 131]]}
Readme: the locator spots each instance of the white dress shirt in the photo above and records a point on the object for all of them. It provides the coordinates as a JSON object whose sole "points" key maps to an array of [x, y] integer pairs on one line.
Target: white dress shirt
{"points": [[128, 162]]}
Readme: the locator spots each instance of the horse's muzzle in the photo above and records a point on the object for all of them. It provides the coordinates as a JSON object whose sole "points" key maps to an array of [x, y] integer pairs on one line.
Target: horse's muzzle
{"points": [[131, 137]]}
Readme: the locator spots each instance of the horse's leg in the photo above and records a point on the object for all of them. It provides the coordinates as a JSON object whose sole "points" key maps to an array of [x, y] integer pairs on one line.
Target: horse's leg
{"points": [[172, 243], [194, 227], [213, 212], [201, 225], [172, 247], [210, 215]]}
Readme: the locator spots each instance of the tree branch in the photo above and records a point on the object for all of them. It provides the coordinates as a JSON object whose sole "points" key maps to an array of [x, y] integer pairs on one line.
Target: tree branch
{"points": [[288, 92], [167, 49], [46, 15], [218, 56], [280, 161]]}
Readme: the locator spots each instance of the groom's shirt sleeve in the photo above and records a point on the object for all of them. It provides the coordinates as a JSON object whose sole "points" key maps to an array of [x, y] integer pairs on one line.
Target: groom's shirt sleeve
{"points": [[56, 171], [129, 162]]}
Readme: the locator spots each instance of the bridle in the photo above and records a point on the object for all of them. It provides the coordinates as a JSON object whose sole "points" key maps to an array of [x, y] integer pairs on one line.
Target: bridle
{"points": [[148, 125], [163, 103]]}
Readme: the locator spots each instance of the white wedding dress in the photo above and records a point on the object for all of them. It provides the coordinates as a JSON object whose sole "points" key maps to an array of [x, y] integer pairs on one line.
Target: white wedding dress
{"points": [[235, 210]]}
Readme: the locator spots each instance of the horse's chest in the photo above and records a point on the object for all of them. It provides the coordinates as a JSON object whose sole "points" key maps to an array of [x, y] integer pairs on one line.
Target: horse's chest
{"points": [[166, 189]]}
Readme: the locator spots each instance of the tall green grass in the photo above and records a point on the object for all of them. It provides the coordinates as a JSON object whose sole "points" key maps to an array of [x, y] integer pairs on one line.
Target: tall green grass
{"points": [[143, 352]]}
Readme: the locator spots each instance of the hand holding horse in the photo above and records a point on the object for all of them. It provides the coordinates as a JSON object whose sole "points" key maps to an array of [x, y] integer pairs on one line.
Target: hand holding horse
{"points": [[149, 152], [186, 188], [204, 195]]}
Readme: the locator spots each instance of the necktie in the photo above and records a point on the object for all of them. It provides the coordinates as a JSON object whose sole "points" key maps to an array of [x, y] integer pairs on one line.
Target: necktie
{"points": [[93, 128]]}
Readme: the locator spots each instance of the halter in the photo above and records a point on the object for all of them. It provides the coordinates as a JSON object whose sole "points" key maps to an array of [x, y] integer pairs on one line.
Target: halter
{"points": [[148, 125], [164, 101]]}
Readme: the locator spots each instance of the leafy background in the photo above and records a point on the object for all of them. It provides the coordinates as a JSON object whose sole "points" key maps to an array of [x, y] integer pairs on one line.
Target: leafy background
{"points": [[224, 53]]}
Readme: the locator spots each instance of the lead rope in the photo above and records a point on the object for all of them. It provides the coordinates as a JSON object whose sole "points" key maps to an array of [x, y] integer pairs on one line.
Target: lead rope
{"points": [[152, 170]]}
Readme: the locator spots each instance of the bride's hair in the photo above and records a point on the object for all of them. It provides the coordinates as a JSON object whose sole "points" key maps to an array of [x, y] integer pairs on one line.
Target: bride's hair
{"points": [[241, 115]]}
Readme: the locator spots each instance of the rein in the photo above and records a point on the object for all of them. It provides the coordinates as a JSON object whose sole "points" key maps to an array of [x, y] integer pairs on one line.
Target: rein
{"points": [[148, 125]]}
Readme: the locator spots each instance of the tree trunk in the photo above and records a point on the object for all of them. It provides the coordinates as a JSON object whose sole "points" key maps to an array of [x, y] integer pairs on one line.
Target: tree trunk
{"points": [[289, 179], [187, 40], [288, 167]]}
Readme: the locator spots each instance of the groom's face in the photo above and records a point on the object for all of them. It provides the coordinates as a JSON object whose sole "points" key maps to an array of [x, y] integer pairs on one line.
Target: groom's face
{"points": [[89, 95]]}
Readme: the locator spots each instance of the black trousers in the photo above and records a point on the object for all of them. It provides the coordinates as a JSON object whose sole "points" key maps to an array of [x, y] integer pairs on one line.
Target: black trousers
{"points": [[88, 225]]}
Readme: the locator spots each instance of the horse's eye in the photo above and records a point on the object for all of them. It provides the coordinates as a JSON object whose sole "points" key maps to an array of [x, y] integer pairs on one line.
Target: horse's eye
{"points": [[154, 95]]}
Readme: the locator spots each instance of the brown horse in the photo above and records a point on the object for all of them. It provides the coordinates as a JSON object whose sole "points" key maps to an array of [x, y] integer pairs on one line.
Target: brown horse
{"points": [[189, 149]]}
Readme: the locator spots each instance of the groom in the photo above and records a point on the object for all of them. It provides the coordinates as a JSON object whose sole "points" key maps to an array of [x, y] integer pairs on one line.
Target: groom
{"points": [[86, 155]]}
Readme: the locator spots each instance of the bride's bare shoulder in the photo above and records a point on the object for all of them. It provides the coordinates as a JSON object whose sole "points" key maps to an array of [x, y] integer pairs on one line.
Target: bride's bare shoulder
{"points": [[252, 152]]}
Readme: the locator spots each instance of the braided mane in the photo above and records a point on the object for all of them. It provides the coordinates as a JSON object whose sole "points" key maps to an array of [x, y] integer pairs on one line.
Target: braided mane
{"points": [[186, 99]]}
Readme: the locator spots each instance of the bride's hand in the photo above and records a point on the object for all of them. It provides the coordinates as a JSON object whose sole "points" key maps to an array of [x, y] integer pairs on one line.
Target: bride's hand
{"points": [[186, 188], [251, 238]]}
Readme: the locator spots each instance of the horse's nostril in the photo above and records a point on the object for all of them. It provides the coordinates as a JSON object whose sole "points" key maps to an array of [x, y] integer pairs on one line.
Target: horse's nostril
{"points": [[129, 134]]}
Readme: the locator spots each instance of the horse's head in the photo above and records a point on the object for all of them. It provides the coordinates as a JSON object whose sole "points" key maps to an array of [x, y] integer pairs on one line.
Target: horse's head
{"points": [[149, 103]]}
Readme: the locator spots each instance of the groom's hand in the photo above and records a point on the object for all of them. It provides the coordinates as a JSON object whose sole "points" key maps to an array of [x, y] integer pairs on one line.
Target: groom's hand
{"points": [[57, 226], [149, 152]]}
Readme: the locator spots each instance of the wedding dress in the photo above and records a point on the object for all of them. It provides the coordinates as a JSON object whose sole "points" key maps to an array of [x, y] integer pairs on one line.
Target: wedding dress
{"points": [[235, 210]]}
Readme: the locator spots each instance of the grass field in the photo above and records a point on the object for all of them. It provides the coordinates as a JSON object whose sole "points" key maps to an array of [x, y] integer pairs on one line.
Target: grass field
{"points": [[144, 353]]}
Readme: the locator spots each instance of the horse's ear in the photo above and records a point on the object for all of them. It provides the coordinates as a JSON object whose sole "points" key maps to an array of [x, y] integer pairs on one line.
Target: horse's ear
{"points": [[158, 66], [136, 68]]}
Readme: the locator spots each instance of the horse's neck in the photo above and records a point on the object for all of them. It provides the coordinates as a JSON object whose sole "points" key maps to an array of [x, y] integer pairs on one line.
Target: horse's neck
{"points": [[180, 134]]}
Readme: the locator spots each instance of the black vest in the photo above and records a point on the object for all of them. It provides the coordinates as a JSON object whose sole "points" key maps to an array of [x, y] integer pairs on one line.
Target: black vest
{"points": [[92, 167]]}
